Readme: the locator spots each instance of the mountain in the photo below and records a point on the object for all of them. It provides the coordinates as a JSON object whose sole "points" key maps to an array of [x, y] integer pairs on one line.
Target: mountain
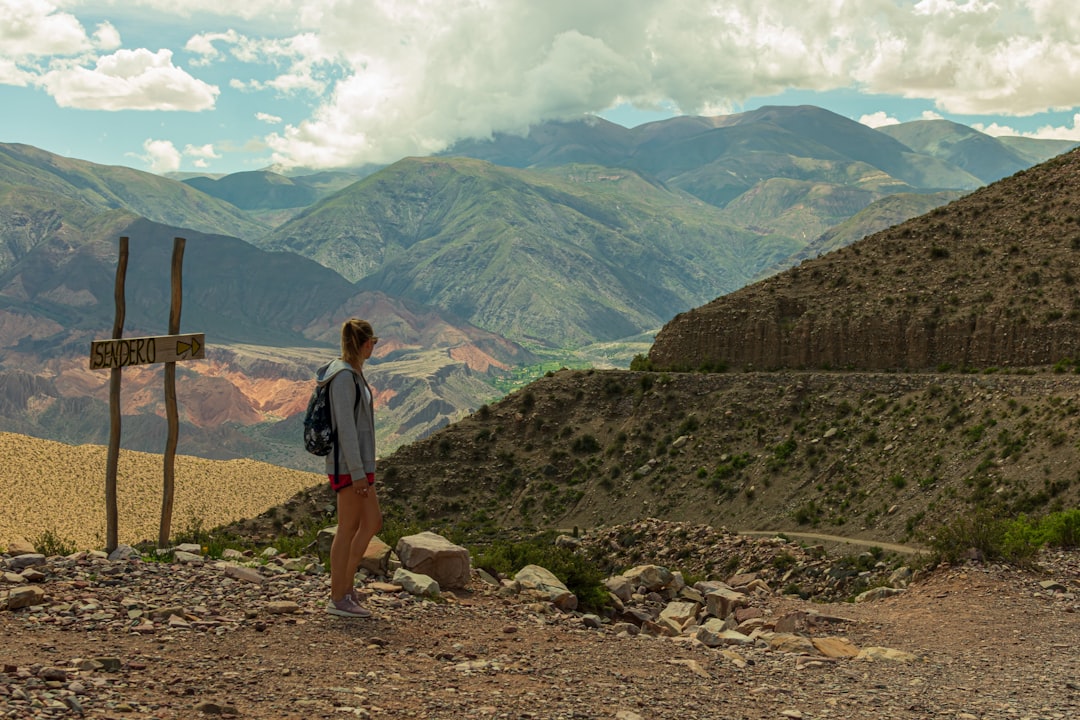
{"points": [[921, 374], [986, 281], [269, 320], [878, 215], [559, 257], [985, 157], [466, 261], [108, 187], [265, 190]]}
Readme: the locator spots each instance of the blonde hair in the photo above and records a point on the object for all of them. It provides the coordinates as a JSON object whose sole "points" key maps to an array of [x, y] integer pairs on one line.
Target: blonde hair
{"points": [[354, 333]]}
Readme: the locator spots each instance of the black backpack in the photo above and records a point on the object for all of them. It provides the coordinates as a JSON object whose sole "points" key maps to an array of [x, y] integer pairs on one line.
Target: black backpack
{"points": [[319, 436]]}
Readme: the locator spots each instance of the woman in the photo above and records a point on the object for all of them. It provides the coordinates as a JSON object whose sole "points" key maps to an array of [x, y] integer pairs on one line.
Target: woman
{"points": [[351, 467]]}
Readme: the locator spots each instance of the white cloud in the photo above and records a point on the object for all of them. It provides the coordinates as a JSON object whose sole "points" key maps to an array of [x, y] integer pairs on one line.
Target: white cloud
{"points": [[106, 37], [201, 151], [11, 74], [268, 118], [130, 80], [878, 119], [36, 28], [161, 156], [1046, 132], [404, 77]]}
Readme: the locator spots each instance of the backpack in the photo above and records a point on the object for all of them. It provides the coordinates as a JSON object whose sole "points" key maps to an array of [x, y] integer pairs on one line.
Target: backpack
{"points": [[319, 436]]}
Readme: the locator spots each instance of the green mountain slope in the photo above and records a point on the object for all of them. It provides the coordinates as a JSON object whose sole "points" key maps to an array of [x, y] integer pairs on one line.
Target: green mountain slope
{"points": [[561, 257], [265, 190], [983, 156], [107, 187]]}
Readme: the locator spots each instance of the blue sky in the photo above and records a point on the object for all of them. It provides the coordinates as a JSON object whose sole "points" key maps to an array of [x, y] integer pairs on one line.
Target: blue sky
{"points": [[202, 86]]}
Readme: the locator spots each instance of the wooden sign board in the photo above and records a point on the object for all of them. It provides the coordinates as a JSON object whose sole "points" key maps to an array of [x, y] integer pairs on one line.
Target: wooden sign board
{"points": [[107, 354]]}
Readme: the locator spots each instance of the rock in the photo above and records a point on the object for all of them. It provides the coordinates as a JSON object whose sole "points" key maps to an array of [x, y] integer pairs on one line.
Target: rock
{"points": [[18, 546], [187, 558], [124, 552], [651, 577], [883, 653], [377, 558], [877, 594], [26, 560], [834, 647], [24, 597], [433, 555], [714, 634], [282, 607], [723, 601], [790, 643], [241, 572], [621, 587], [416, 583], [678, 614], [537, 578]]}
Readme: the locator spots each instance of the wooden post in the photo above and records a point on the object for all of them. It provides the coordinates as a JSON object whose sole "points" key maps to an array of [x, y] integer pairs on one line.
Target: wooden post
{"points": [[111, 515], [170, 398]]}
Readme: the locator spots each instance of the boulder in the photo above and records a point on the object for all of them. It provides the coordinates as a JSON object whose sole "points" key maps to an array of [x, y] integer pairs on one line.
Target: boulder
{"points": [[534, 577], [435, 556]]}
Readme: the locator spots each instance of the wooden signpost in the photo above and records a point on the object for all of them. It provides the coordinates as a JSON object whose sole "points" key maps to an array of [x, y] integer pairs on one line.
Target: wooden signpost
{"points": [[105, 354], [120, 352]]}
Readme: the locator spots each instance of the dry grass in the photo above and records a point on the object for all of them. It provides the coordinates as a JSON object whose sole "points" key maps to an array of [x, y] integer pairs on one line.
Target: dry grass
{"points": [[51, 487]]}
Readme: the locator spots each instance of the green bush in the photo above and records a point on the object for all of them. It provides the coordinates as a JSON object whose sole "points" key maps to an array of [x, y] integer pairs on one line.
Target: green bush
{"points": [[49, 543], [1015, 541], [581, 577]]}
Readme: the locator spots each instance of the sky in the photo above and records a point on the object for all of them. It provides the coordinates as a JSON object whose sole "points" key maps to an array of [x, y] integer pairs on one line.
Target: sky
{"points": [[220, 86]]}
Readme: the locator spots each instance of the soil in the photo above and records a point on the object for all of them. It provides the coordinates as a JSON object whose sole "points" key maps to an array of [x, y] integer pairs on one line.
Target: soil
{"points": [[967, 642]]}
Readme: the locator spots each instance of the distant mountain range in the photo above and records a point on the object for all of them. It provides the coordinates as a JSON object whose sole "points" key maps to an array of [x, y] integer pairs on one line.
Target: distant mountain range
{"points": [[481, 267]]}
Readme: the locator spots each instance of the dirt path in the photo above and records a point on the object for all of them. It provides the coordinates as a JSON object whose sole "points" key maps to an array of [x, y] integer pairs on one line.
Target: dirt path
{"points": [[819, 537]]}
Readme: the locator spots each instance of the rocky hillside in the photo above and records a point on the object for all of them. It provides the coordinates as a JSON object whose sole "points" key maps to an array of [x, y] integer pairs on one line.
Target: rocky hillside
{"points": [[879, 457], [989, 280]]}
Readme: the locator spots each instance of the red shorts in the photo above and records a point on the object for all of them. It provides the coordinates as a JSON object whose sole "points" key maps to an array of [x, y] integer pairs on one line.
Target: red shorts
{"points": [[340, 482]]}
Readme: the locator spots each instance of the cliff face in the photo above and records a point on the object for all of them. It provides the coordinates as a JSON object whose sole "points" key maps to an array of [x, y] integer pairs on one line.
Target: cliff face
{"points": [[767, 338], [989, 280]]}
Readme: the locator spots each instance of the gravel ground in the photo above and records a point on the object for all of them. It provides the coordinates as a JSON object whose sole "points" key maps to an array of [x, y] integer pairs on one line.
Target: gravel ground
{"points": [[133, 639]]}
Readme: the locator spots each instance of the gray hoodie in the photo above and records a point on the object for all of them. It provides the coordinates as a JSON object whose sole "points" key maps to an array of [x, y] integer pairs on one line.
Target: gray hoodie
{"points": [[355, 430]]}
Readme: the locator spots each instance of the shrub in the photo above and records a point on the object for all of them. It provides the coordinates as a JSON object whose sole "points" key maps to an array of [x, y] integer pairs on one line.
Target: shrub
{"points": [[580, 577], [49, 543]]}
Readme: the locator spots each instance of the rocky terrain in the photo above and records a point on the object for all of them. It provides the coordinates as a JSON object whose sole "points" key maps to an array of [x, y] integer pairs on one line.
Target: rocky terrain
{"points": [[246, 636], [988, 280]]}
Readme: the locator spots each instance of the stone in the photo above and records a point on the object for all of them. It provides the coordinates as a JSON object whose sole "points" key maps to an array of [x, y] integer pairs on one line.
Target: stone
{"points": [[24, 597], [416, 583], [124, 552], [723, 601], [679, 613], [877, 594], [240, 572], [282, 607], [377, 558], [651, 577], [433, 555], [835, 647], [883, 653], [535, 577], [791, 643], [24, 561], [19, 546], [714, 634], [621, 587]]}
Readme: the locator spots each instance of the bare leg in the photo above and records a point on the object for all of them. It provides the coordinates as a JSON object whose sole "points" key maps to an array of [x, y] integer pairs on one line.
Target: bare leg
{"points": [[359, 519]]}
